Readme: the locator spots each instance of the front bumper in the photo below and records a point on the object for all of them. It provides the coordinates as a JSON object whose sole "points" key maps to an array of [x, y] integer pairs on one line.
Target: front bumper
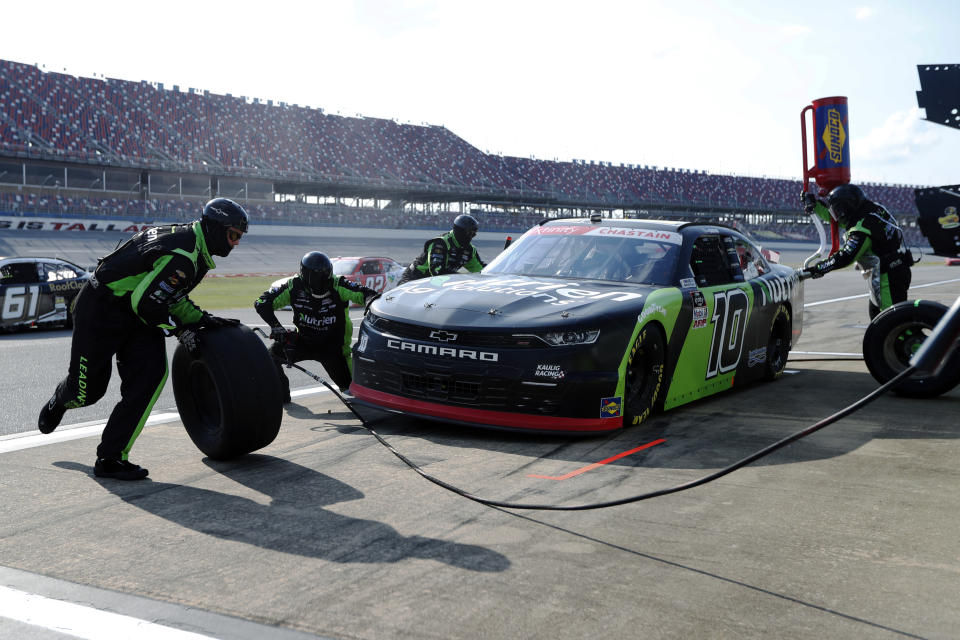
{"points": [[542, 389]]}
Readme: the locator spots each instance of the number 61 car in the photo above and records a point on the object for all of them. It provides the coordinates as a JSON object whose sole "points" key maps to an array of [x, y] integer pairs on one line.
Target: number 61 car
{"points": [[38, 291], [582, 325]]}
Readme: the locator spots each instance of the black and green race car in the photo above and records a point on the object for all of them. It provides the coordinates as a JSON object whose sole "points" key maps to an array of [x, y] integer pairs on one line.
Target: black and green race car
{"points": [[582, 325]]}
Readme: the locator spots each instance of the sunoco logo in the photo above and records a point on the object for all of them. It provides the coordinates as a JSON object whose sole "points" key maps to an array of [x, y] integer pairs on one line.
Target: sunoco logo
{"points": [[834, 137], [443, 352]]}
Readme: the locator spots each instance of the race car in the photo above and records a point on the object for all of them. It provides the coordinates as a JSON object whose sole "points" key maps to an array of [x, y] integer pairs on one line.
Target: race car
{"points": [[379, 273], [582, 325], [38, 291]]}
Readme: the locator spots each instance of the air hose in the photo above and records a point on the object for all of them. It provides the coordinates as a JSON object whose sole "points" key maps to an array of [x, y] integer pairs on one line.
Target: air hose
{"points": [[856, 406]]}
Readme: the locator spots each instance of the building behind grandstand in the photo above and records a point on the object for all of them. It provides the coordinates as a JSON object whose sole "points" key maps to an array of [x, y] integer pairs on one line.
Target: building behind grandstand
{"points": [[77, 146]]}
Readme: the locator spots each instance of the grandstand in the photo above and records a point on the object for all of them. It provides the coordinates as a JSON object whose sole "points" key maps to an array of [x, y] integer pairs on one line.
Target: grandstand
{"points": [[73, 146]]}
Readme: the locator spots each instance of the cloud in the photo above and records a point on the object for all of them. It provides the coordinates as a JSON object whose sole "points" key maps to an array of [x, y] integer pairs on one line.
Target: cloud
{"points": [[863, 13], [795, 30], [902, 136]]}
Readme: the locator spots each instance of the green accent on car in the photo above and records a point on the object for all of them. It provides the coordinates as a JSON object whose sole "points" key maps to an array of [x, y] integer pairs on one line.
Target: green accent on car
{"points": [[662, 306], [689, 381]]}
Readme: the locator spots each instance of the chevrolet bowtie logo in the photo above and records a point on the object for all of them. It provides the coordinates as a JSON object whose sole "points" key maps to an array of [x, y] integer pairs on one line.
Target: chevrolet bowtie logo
{"points": [[443, 336]]}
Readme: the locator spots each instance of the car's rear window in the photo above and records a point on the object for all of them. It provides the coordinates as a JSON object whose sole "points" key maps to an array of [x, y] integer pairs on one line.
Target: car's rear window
{"points": [[604, 253]]}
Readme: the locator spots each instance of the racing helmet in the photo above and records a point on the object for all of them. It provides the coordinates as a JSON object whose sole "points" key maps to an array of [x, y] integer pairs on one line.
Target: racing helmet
{"points": [[223, 222], [844, 202], [464, 229], [316, 272]]}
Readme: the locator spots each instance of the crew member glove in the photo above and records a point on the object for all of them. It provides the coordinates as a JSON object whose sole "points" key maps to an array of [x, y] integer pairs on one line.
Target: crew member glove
{"points": [[208, 321], [278, 333], [811, 273], [808, 201], [189, 337]]}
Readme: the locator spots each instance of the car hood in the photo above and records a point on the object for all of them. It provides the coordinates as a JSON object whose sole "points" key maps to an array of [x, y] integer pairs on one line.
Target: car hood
{"points": [[480, 300]]}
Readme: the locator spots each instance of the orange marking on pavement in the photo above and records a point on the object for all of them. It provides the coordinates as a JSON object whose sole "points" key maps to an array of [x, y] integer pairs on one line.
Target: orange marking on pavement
{"points": [[598, 464]]}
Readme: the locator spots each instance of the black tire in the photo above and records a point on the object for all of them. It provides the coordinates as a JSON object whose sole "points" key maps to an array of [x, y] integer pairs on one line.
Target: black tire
{"points": [[229, 398], [895, 335], [644, 378], [778, 347]]}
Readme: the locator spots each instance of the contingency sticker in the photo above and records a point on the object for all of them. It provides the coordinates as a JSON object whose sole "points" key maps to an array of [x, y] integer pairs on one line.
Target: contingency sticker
{"points": [[699, 309], [610, 407]]}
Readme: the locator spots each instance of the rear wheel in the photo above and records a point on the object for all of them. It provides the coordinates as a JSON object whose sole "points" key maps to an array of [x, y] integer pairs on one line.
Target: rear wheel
{"points": [[778, 347], [895, 335], [644, 380]]}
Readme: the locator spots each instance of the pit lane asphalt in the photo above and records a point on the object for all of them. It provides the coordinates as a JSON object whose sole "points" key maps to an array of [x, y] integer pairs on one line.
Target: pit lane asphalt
{"points": [[849, 533]]}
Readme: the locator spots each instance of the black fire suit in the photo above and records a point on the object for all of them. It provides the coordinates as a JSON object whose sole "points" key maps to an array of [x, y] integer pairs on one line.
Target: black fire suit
{"points": [[443, 255], [875, 242], [324, 328], [137, 295]]}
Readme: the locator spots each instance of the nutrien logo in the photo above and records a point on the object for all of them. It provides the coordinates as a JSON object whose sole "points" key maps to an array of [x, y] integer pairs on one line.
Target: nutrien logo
{"points": [[834, 137]]}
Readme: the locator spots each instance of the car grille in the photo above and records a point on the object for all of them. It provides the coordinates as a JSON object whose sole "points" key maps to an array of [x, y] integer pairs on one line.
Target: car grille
{"points": [[447, 387], [465, 338]]}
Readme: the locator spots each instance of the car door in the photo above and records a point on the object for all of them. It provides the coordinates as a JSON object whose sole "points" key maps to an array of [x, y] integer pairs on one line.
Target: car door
{"points": [[722, 308], [371, 274], [21, 293]]}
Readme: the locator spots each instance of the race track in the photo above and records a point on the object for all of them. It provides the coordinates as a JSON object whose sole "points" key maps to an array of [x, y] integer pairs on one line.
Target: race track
{"points": [[850, 533]]}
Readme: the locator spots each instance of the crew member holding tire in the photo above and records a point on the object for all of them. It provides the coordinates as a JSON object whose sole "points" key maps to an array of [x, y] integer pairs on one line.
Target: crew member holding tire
{"points": [[323, 332], [873, 240], [138, 295], [447, 253]]}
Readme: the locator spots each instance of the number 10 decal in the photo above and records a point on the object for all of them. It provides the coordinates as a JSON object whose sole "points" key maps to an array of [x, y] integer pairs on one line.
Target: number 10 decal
{"points": [[730, 309]]}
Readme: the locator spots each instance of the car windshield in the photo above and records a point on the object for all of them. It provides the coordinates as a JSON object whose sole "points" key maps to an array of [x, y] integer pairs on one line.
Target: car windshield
{"points": [[344, 267], [594, 253]]}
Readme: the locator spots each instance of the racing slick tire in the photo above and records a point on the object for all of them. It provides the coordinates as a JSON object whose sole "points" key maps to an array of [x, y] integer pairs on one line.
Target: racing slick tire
{"points": [[895, 335], [229, 398], [778, 347], [644, 376]]}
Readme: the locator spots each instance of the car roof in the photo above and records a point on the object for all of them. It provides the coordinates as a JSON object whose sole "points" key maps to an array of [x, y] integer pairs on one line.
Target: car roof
{"points": [[633, 223], [362, 258], [40, 258]]}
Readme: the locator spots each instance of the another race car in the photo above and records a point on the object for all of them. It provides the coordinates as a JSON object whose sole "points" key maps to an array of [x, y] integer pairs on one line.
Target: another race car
{"points": [[582, 325], [38, 291], [379, 273]]}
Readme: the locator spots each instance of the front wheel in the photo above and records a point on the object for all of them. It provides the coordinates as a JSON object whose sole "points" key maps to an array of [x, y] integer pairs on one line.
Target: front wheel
{"points": [[895, 335], [778, 346], [644, 380]]}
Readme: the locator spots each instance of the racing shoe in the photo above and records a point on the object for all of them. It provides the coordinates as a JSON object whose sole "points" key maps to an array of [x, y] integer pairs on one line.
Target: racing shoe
{"points": [[50, 416], [118, 469]]}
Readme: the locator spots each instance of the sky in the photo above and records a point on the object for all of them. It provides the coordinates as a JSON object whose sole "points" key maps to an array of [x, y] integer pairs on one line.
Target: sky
{"points": [[713, 86]]}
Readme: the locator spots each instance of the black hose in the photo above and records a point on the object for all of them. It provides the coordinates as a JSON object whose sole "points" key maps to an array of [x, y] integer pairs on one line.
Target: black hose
{"points": [[859, 404]]}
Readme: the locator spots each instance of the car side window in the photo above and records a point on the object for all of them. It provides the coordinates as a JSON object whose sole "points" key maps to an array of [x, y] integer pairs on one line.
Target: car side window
{"points": [[370, 267], [752, 262], [711, 262], [19, 273], [52, 272]]}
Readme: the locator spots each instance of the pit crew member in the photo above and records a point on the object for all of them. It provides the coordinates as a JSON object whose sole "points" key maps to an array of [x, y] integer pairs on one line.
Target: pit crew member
{"points": [[323, 332], [137, 295], [447, 253], [873, 241]]}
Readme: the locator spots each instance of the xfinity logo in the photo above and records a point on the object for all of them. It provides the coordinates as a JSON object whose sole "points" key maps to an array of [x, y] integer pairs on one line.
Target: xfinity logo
{"points": [[434, 350], [443, 336]]}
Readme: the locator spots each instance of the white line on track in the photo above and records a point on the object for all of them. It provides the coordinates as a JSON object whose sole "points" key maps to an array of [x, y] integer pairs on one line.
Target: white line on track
{"points": [[81, 621], [19, 441], [864, 295]]}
